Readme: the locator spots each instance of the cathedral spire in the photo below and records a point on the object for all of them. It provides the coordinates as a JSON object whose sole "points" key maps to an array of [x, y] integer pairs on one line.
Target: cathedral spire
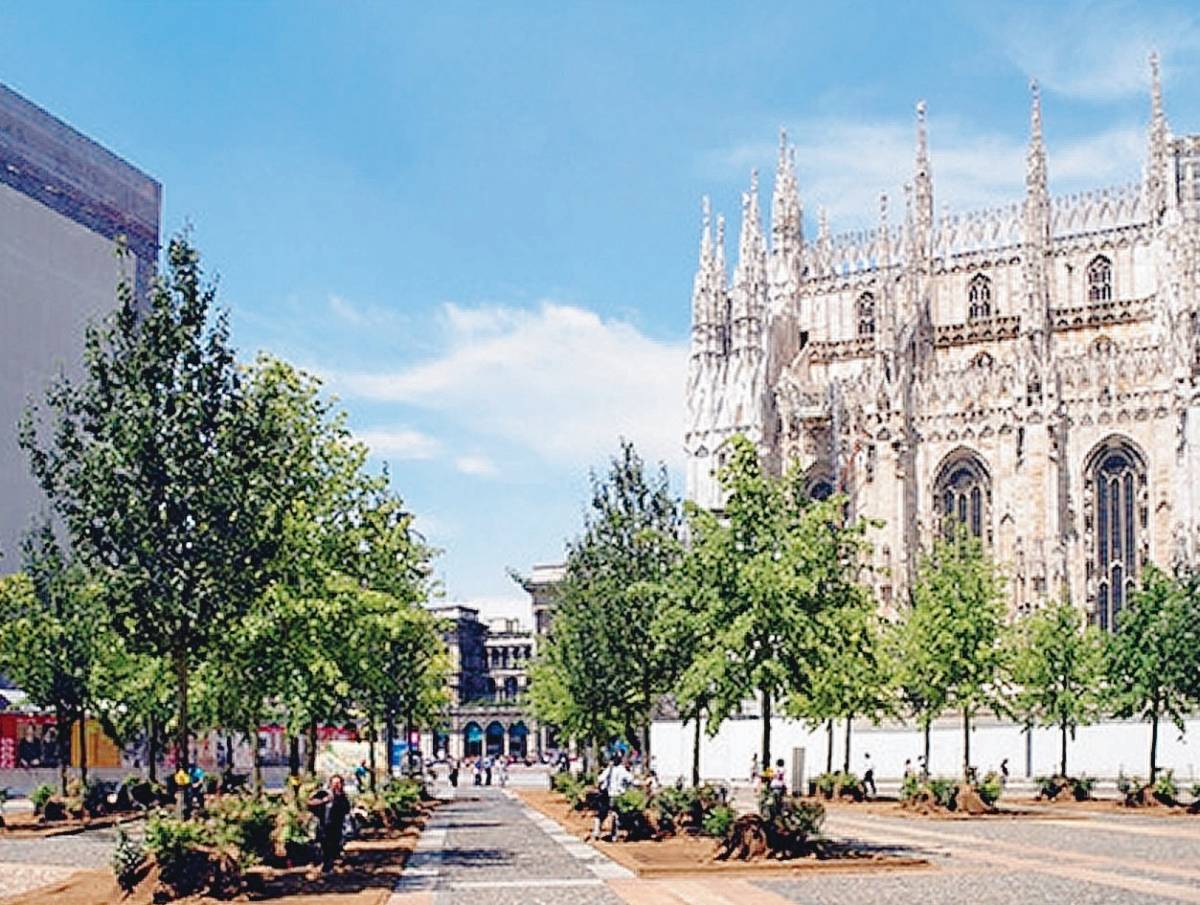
{"points": [[1037, 192], [885, 238], [1035, 319], [787, 229], [702, 287], [923, 187], [1157, 195], [750, 276]]}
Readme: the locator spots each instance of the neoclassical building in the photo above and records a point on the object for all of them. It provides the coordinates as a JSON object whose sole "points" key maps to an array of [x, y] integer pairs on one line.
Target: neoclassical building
{"points": [[1030, 371]]}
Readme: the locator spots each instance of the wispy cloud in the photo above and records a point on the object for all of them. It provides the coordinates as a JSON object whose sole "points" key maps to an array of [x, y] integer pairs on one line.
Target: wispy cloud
{"points": [[398, 443], [359, 315], [479, 466], [844, 164], [558, 380], [1095, 51]]}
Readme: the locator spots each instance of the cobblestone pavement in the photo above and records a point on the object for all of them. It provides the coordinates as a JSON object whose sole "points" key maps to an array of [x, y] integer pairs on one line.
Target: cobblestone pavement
{"points": [[487, 847], [29, 863]]}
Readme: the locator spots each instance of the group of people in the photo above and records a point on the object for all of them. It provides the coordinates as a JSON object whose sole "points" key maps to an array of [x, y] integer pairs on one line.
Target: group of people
{"points": [[483, 769]]}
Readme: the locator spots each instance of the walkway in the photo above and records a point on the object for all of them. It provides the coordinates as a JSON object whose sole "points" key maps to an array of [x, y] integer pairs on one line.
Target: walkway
{"points": [[486, 846]]}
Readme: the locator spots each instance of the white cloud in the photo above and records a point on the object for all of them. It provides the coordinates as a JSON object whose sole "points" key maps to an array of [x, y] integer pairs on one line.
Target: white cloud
{"points": [[401, 443], [1096, 51], [844, 164], [480, 466], [558, 380], [357, 315]]}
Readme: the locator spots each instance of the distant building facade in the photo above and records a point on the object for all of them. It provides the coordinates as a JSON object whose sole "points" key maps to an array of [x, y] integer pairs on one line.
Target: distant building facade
{"points": [[1030, 372], [64, 201], [489, 677]]}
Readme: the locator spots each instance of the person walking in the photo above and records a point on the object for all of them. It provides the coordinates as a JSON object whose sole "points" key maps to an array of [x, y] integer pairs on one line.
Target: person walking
{"points": [[487, 770], [502, 766], [454, 772], [1004, 772], [477, 767], [332, 807], [869, 776], [613, 782], [361, 772]]}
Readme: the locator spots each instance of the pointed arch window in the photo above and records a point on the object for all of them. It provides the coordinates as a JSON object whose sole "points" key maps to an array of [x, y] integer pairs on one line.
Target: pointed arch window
{"points": [[1099, 279], [865, 310], [979, 298], [963, 495], [1116, 520]]}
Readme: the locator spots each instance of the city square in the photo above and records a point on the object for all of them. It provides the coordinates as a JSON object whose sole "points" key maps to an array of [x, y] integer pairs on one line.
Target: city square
{"points": [[599, 453]]}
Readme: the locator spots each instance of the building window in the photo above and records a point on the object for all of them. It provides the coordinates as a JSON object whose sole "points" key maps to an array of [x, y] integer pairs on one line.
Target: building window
{"points": [[1116, 523], [979, 298], [866, 314], [963, 495], [1099, 279]]}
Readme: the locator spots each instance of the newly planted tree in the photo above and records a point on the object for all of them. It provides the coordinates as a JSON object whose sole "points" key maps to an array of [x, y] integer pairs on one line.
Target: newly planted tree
{"points": [[1152, 660], [775, 561], [168, 475], [959, 619], [51, 637], [1058, 667]]}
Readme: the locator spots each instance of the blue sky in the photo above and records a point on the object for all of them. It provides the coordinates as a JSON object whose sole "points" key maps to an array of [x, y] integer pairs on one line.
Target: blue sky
{"points": [[478, 222]]}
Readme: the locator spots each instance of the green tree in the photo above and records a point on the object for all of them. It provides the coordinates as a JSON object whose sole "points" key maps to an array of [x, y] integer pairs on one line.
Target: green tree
{"points": [[1152, 659], [134, 698], [166, 471], [958, 621], [50, 638], [775, 561], [618, 577], [852, 676], [1057, 667]]}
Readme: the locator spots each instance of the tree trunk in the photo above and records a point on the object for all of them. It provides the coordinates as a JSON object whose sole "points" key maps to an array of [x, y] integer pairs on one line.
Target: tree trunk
{"points": [[766, 728], [294, 755], [696, 753], [83, 763], [152, 749], [310, 756], [371, 736], [63, 739], [829, 746], [1154, 745], [646, 745], [181, 705], [928, 723], [412, 760], [389, 739], [258, 776], [229, 752], [966, 744], [846, 757], [1063, 763]]}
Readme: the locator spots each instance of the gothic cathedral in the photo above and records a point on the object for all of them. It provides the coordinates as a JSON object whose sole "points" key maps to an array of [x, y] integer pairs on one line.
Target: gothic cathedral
{"points": [[1032, 372]]}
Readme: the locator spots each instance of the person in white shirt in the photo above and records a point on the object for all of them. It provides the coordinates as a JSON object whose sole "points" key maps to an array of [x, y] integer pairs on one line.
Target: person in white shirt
{"points": [[614, 780]]}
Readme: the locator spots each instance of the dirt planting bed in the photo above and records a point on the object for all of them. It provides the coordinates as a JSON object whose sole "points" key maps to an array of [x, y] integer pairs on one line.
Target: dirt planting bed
{"points": [[686, 854], [368, 874]]}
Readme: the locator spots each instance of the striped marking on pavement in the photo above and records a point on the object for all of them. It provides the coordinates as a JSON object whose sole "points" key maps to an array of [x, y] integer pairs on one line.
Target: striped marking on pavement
{"points": [[593, 859], [706, 891]]}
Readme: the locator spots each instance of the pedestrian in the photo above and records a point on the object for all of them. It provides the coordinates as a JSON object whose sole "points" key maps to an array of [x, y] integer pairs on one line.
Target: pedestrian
{"points": [[503, 768], [869, 776], [754, 777], [478, 769], [923, 764], [454, 772], [1004, 772], [778, 781], [332, 807], [361, 772], [613, 782], [487, 770]]}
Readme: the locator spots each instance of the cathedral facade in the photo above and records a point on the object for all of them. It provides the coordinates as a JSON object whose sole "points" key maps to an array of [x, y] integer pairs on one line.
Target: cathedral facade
{"points": [[1032, 371]]}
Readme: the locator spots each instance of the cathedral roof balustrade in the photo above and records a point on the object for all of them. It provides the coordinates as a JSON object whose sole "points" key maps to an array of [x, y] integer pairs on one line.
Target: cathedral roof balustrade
{"points": [[985, 329], [1103, 314], [825, 351], [1097, 211]]}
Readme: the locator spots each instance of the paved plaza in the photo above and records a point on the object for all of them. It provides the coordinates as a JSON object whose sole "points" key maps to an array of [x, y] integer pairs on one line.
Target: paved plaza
{"points": [[485, 846]]}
